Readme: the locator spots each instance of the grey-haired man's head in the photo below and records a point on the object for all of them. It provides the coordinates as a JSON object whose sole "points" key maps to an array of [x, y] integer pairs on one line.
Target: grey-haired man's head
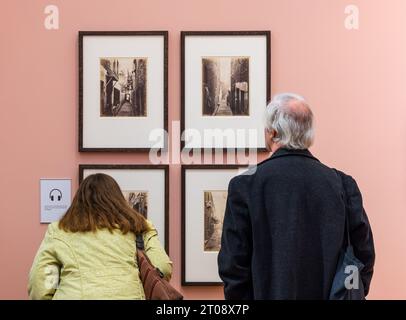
{"points": [[288, 123]]}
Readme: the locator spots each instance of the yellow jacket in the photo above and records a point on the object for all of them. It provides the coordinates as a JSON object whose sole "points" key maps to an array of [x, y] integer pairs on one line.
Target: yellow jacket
{"points": [[92, 265]]}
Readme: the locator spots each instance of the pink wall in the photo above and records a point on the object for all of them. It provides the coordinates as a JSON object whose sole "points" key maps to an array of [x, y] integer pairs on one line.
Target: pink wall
{"points": [[355, 81]]}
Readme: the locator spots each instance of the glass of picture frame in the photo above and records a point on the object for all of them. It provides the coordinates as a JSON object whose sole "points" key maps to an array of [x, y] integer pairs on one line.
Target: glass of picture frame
{"points": [[123, 88], [146, 189], [204, 196], [225, 80]]}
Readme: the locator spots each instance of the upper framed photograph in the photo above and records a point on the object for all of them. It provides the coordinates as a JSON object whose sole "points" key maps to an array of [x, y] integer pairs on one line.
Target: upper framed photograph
{"points": [[146, 189], [123, 96], [204, 196], [226, 84]]}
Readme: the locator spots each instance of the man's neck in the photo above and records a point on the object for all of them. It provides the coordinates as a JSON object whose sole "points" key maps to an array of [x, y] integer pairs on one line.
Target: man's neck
{"points": [[275, 147]]}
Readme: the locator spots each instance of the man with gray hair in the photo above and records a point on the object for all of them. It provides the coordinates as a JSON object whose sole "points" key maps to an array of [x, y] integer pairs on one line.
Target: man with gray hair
{"points": [[284, 225]]}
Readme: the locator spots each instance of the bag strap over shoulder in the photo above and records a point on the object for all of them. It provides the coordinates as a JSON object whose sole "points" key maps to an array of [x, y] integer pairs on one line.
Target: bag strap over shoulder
{"points": [[139, 240]]}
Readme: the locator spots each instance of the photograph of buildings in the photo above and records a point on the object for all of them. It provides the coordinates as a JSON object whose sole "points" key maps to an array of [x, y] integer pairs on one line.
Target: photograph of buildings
{"points": [[225, 86], [137, 200], [123, 87], [214, 208]]}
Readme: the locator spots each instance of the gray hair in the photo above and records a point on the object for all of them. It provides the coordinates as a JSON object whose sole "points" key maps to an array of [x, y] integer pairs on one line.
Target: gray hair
{"points": [[292, 119]]}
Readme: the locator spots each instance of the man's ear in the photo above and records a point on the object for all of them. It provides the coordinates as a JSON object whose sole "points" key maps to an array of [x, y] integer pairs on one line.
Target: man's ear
{"points": [[270, 133], [273, 134]]}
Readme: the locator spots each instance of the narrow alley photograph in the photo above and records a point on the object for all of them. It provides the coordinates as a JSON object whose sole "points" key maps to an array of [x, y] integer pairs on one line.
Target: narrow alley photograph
{"points": [[123, 87], [225, 86]]}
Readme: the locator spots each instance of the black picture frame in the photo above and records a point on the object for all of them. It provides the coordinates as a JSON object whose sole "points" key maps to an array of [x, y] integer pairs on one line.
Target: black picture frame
{"points": [[184, 34], [83, 167], [81, 36], [184, 168]]}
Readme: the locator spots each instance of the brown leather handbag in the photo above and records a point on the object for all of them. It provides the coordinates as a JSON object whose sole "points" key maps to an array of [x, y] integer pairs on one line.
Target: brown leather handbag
{"points": [[155, 286]]}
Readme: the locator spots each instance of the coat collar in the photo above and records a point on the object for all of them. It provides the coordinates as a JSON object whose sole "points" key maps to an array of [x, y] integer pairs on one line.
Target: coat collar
{"points": [[283, 152]]}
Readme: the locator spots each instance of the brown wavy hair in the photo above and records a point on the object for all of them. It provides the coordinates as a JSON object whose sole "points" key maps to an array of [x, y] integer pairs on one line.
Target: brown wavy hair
{"points": [[100, 204]]}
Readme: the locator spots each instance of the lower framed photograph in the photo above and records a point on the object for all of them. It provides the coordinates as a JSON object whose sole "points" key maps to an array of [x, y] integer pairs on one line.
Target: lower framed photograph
{"points": [[204, 196], [145, 187]]}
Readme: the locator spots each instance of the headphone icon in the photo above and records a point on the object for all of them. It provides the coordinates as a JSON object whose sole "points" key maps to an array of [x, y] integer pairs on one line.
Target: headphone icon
{"points": [[52, 192]]}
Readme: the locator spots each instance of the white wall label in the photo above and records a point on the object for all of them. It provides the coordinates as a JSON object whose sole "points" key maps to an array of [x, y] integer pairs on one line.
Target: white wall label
{"points": [[55, 198]]}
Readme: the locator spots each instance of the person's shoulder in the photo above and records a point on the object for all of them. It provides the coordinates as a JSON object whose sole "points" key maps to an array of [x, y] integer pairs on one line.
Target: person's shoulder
{"points": [[246, 175], [55, 231], [243, 175], [151, 229], [53, 228], [242, 180], [263, 167], [348, 181], [270, 162], [150, 225], [344, 176]]}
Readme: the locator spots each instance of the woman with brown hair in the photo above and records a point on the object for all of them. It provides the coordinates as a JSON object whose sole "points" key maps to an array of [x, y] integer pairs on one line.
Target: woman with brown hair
{"points": [[90, 252]]}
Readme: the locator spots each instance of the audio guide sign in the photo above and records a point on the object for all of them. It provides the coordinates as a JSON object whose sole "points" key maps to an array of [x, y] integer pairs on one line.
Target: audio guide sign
{"points": [[55, 198]]}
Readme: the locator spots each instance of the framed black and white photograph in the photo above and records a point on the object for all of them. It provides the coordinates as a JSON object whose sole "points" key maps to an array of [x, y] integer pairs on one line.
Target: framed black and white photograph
{"points": [[123, 90], [225, 85], [146, 189], [204, 197]]}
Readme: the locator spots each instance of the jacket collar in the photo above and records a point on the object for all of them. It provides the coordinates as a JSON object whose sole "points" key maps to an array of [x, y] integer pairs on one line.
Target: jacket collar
{"points": [[283, 152]]}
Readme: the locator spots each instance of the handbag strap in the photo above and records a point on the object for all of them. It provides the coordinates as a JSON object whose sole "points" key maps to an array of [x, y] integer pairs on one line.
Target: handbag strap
{"points": [[347, 223], [139, 241]]}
